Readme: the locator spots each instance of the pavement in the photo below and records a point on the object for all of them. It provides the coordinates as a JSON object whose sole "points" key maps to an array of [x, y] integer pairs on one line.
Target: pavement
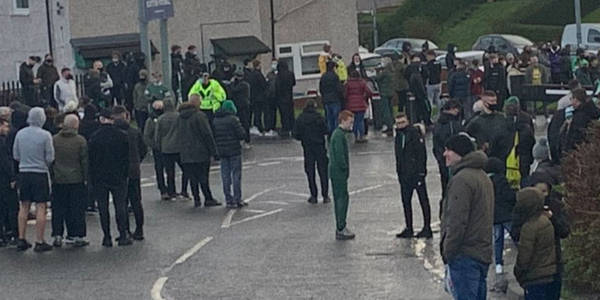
{"points": [[279, 247]]}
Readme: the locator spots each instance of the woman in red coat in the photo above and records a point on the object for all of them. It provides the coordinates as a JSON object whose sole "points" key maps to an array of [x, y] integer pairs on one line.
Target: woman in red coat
{"points": [[357, 97]]}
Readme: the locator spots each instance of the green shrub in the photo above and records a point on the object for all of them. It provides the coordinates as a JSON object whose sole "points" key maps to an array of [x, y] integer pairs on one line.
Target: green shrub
{"points": [[534, 32], [581, 252], [557, 12], [418, 27]]}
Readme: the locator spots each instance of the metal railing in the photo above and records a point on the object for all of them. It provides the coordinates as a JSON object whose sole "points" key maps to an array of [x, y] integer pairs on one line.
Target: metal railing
{"points": [[12, 91]]}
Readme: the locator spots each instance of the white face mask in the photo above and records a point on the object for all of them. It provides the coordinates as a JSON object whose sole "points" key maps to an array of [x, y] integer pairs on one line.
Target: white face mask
{"points": [[273, 66]]}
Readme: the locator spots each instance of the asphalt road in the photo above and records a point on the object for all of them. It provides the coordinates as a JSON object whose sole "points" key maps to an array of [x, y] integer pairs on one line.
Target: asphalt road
{"points": [[280, 247]]}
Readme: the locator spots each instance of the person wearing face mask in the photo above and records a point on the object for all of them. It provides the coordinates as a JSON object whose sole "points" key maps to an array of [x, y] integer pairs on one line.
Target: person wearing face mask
{"points": [[523, 140], [212, 94], [28, 80], [48, 75], [491, 129], [116, 70], [97, 84], [356, 65], [583, 73], [271, 96], [140, 100], [494, 78], [65, 89], [192, 69], [411, 167], [176, 69]]}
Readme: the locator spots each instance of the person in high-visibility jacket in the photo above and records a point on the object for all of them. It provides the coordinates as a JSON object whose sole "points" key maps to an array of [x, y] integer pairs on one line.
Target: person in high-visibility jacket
{"points": [[212, 95]]}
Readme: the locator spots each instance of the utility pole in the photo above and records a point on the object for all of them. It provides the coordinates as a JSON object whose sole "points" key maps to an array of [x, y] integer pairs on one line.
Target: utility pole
{"points": [[165, 57], [49, 28], [272, 30], [375, 33], [578, 21], [144, 42]]}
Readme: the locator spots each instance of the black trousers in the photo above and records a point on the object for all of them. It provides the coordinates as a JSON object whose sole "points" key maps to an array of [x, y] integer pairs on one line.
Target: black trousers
{"points": [[117, 93], [47, 95], [259, 115], [169, 160], [9, 210], [119, 194], [134, 199], [286, 109], [316, 156], [444, 177], [68, 208], [406, 188], [198, 174], [244, 116], [402, 99], [210, 115], [271, 115], [159, 169]]}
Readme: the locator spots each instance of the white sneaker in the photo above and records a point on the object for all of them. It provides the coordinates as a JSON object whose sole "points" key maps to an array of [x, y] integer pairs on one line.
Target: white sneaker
{"points": [[384, 128], [246, 146], [499, 269], [270, 133], [254, 131]]}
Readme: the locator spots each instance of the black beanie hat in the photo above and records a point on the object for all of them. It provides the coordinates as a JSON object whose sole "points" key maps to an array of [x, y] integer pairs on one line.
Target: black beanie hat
{"points": [[461, 144]]}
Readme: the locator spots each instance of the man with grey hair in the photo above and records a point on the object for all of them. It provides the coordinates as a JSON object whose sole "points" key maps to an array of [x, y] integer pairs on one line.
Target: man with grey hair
{"points": [[34, 151], [70, 171]]}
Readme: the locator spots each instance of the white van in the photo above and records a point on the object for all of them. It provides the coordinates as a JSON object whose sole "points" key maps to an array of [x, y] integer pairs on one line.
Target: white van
{"points": [[590, 36]]}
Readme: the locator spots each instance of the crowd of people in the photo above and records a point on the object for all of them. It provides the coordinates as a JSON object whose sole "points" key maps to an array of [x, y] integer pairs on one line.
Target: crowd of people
{"points": [[495, 176]]}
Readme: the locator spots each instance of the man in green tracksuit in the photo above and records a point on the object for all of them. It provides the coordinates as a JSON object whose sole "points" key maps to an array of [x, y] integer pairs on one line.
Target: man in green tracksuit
{"points": [[339, 171]]}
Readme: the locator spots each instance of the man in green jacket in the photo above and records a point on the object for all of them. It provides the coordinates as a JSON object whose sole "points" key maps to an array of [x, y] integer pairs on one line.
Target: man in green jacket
{"points": [[140, 100], [69, 174], [339, 171]]}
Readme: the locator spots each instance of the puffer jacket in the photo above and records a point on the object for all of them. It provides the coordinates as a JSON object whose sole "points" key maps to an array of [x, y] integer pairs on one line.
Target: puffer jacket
{"points": [[411, 154], [447, 125], [468, 211], [536, 259], [192, 136], [459, 84], [228, 134], [357, 95], [330, 88], [310, 128]]}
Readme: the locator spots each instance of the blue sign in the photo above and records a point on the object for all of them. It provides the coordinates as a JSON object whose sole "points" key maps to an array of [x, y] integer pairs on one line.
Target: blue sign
{"points": [[158, 9]]}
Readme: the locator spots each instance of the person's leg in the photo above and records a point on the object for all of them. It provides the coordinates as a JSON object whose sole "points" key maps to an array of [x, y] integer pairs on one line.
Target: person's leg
{"points": [[360, 116], [23, 214], [482, 289], [78, 211], [322, 162], [406, 191], [169, 165], [59, 209], [159, 170], [386, 112], [244, 116], [203, 179], [329, 116], [258, 111], [436, 95], [340, 201], [430, 93], [120, 202], [69, 210], [40, 221], [536, 291], [226, 179], [135, 199], [236, 175], [191, 173], [185, 180], [402, 100], [424, 202], [444, 177], [465, 275], [3, 216], [12, 230], [377, 113], [309, 169], [555, 288], [498, 245], [101, 195]]}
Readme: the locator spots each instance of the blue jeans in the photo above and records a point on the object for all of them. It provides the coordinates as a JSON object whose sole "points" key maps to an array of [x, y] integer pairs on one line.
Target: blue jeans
{"points": [[468, 278], [231, 173], [332, 110], [359, 124], [499, 241], [541, 291]]}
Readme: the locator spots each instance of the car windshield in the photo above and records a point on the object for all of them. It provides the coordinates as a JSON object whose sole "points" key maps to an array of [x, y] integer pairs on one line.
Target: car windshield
{"points": [[518, 41], [372, 62]]}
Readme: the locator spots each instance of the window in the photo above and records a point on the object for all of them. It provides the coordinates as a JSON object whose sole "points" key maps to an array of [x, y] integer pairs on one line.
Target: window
{"points": [[302, 58], [21, 7], [594, 36]]}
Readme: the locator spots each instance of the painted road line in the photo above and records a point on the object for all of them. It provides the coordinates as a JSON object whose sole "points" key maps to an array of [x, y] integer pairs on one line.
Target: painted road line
{"points": [[373, 152], [145, 185], [257, 216], [295, 194], [369, 188], [269, 164], [392, 176], [157, 288], [256, 211], [275, 202], [253, 197], [227, 220], [192, 251]]}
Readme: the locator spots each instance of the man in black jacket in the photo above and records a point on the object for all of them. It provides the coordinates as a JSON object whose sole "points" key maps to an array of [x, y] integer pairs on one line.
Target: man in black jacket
{"points": [[116, 70], [7, 186], [240, 91], [28, 80], [434, 78], [228, 134], [331, 89], [494, 79], [192, 69], [419, 111], [109, 169], [574, 128], [521, 123], [176, 70], [137, 152], [284, 89], [459, 87], [448, 125], [311, 130], [48, 75], [258, 99], [411, 166]]}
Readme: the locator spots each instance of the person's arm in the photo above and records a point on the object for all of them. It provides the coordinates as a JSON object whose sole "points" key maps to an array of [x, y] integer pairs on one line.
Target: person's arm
{"points": [[337, 150], [526, 250], [451, 85], [6, 164], [83, 159], [108, 83], [142, 148], [456, 218], [57, 92], [49, 150], [149, 131], [240, 132]]}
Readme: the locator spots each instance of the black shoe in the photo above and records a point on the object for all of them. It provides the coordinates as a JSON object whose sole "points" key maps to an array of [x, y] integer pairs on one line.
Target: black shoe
{"points": [[80, 242], [326, 200], [107, 242], [22, 245], [138, 235], [425, 233], [312, 200], [405, 234], [3, 243], [42, 247], [241, 204], [12, 242], [124, 241], [212, 203], [197, 203]]}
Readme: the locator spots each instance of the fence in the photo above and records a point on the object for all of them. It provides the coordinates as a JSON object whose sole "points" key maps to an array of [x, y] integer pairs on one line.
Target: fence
{"points": [[11, 91]]}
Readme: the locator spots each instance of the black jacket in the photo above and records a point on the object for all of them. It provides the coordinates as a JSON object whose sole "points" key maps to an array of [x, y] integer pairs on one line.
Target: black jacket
{"points": [[239, 91], [48, 74], [411, 155], [284, 84], [26, 75], [361, 70], [228, 134], [446, 126], [192, 135], [505, 197], [495, 131], [494, 79], [450, 56], [176, 64], [554, 133], [192, 67], [137, 147], [116, 72], [459, 84], [524, 125], [574, 134], [258, 85], [434, 72], [415, 81], [331, 88], [310, 128], [109, 156], [7, 172]]}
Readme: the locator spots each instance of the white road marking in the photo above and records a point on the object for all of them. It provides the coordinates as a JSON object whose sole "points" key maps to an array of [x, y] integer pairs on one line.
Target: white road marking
{"points": [[275, 202], [193, 250], [256, 211], [253, 197], [148, 184], [269, 164], [369, 188], [257, 216], [295, 194], [392, 176], [157, 288], [229, 216], [373, 152], [227, 221]]}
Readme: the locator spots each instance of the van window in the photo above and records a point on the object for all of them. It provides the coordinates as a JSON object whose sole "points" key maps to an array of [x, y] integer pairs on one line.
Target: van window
{"points": [[593, 36]]}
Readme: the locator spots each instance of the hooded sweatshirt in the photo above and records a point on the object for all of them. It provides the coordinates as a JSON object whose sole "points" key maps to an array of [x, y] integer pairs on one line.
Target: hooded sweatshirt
{"points": [[33, 147]]}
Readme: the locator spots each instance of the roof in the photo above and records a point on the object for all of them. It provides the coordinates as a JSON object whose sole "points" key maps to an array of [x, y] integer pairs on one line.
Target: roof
{"points": [[104, 46], [239, 46]]}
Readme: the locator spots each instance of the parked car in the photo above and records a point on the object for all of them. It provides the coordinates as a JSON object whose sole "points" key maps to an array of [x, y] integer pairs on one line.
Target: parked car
{"points": [[590, 36], [504, 43], [467, 56], [416, 46], [371, 61]]}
